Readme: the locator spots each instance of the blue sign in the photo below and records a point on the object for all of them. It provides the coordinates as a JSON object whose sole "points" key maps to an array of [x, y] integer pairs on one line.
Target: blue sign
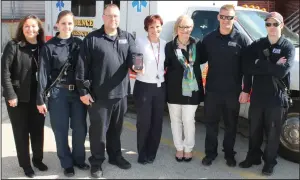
{"points": [[139, 4], [60, 5]]}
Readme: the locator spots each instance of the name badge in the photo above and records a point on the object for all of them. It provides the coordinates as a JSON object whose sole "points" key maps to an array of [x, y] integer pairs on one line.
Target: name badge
{"points": [[276, 51], [123, 41], [179, 52], [233, 44]]}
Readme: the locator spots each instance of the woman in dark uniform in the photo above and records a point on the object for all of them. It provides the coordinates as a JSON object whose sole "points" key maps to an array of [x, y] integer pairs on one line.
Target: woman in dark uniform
{"points": [[59, 56]]}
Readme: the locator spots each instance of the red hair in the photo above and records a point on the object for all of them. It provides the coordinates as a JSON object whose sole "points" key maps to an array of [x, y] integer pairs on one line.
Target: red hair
{"points": [[151, 19]]}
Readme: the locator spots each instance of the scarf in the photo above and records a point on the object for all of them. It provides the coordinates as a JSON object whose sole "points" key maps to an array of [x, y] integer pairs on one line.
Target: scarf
{"points": [[189, 82]]}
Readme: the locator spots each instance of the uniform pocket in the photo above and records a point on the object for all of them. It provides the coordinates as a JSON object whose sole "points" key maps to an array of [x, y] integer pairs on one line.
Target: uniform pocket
{"points": [[54, 93]]}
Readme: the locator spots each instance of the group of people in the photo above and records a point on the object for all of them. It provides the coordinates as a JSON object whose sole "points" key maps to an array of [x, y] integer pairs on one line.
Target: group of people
{"points": [[74, 76]]}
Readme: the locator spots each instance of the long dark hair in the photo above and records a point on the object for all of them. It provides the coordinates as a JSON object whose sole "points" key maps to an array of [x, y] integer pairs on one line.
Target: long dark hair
{"points": [[20, 35]]}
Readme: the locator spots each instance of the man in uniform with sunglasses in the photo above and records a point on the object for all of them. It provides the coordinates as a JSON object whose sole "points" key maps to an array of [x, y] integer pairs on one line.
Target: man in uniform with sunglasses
{"points": [[223, 49], [269, 60]]}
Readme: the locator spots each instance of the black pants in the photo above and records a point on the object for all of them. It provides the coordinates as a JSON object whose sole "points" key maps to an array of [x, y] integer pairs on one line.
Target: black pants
{"points": [[268, 120], [215, 105], [149, 101], [26, 120], [106, 122]]}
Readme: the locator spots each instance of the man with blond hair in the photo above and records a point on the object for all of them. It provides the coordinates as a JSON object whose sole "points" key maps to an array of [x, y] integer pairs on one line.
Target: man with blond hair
{"points": [[223, 49]]}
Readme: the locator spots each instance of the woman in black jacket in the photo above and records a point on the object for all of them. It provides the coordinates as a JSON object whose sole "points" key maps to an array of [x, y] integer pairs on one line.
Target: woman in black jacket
{"points": [[19, 64], [184, 86]]}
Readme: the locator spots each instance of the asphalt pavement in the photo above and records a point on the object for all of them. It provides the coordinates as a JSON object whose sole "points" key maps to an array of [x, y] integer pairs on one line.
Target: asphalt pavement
{"points": [[164, 167]]}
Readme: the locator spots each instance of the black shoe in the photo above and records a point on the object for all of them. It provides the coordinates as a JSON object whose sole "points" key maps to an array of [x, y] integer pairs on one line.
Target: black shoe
{"points": [[40, 165], [69, 172], [187, 159], [207, 161], [150, 160], [231, 162], [96, 171], [83, 166], [29, 172], [142, 162], [179, 159], [248, 163], [268, 169], [120, 162]]}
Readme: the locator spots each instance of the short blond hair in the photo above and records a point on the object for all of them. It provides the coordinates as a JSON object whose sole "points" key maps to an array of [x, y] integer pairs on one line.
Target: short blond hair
{"points": [[178, 21], [228, 7]]}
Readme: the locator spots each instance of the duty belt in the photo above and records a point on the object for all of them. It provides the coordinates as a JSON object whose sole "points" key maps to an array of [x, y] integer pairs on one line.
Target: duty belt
{"points": [[70, 87]]}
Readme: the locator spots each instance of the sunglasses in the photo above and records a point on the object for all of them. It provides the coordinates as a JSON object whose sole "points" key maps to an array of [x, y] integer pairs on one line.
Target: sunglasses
{"points": [[223, 17], [273, 24]]}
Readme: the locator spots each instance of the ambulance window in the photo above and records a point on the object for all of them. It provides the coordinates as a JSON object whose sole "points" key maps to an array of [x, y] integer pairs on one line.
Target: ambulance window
{"points": [[84, 8], [204, 23]]}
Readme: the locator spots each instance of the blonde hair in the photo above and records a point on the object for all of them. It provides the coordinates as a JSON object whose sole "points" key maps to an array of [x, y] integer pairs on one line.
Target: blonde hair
{"points": [[228, 7], [178, 21]]}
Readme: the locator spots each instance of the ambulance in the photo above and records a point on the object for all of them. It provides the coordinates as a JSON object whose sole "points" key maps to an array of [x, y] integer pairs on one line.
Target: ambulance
{"points": [[88, 17]]}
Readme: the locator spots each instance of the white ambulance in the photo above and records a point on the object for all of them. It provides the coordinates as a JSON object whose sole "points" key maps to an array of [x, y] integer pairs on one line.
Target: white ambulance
{"points": [[204, 13]]}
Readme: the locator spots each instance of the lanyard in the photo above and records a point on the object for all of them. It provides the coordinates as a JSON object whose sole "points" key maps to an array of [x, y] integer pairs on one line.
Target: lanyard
{"points": [[158, 52]]}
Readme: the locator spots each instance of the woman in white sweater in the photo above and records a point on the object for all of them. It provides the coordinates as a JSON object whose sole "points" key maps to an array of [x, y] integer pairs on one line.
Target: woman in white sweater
{"points": [[149, 90]]}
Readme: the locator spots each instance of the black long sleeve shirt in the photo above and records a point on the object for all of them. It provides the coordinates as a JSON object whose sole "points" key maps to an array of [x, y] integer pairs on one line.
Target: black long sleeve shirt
{"points": [[264, 92], [224, 56], [53, 56], [104, 60]]}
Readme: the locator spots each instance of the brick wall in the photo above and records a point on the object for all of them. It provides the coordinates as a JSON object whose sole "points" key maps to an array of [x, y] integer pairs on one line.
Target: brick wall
{"points": [[285, 8], [269, 5]]}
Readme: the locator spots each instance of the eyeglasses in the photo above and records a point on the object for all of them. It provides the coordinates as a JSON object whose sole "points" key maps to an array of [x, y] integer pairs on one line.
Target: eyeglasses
{"points": [[185, 27], [223, 17], [111, 16], [273, 24]]}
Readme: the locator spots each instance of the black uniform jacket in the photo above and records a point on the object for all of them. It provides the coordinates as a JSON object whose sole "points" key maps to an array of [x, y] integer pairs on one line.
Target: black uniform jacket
{"points": [[104, 61], [224, 56], [264, 91]]}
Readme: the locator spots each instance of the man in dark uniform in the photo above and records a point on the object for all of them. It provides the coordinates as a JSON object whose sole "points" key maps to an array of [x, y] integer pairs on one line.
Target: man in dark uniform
{"points": [[223, 49], [105, 56], [269, 60]]}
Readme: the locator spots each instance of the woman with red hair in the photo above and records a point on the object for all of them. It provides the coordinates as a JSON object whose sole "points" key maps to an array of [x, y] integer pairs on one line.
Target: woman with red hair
{"points": [[149, 90]]}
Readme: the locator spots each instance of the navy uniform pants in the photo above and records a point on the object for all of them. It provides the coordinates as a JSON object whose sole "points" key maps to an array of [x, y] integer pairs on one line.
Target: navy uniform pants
{"points": [[266, 121], [66, 110]]}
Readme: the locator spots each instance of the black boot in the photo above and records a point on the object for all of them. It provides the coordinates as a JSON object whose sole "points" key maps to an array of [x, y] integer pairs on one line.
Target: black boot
{"points": [[96, 171], [28, 171], [230, 161], [40, 165], [268, 169], [120, 162], [207, 161], [248, 163], [69, 172]]}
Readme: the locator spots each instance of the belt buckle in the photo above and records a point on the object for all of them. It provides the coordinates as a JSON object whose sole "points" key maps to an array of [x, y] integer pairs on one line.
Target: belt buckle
{"points": [[71, 87]]}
